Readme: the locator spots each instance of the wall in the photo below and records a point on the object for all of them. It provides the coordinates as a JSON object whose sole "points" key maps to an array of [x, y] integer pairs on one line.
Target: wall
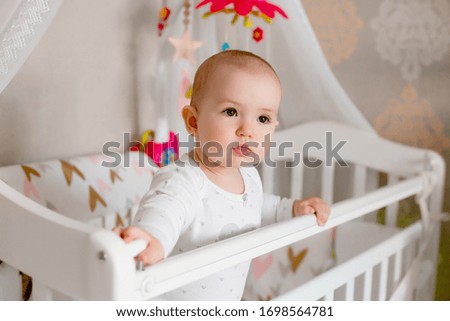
{"points": [[84, 84]]}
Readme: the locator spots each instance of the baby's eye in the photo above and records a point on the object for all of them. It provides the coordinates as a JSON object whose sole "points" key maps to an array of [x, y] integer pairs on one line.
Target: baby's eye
{"points": [[230, 112], [263, 119]]}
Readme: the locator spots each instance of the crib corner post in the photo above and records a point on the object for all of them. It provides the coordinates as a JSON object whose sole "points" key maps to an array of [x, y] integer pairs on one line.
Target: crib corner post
{"points": [[110, 268]]}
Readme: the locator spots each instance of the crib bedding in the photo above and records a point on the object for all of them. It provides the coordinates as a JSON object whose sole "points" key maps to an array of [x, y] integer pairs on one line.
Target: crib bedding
{"points": [[81, 188], [356, 237]]}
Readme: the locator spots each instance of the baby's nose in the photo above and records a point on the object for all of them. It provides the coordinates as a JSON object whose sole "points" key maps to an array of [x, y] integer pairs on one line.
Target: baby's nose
{"points": [[244, 130]]}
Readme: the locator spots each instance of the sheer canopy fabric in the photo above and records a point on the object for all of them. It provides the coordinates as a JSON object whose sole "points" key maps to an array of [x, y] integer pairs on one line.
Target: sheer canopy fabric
{"points": [[22, 24], [311, 91]]}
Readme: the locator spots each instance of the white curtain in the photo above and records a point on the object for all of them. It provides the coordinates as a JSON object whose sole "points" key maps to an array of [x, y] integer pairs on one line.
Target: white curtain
{"points": [[22, 24], [311, 92]]}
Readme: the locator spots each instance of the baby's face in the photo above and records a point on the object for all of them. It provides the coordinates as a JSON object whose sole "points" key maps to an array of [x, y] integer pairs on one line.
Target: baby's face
{"points": [[236, 115]]}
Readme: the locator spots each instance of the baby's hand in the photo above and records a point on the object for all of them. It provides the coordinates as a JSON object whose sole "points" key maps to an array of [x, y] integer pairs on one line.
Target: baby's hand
{"points": [[312, 205], [154, 251]]}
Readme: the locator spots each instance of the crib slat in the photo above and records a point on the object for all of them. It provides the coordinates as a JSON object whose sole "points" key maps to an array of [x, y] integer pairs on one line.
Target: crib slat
{"points": [[383, 280], [329, 296], [327, 183], [349, 290], [130, 217], [268, 174], [367, 285], [398, 267], [359, 180], [297, 181], [392, 209]]}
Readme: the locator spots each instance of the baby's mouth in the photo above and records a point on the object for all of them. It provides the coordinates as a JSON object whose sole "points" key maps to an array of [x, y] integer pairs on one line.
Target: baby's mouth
{"points": [[242, 150]]}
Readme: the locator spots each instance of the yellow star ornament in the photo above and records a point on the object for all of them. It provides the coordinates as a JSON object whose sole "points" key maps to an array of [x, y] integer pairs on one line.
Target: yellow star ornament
{"points": [[185, 47]]}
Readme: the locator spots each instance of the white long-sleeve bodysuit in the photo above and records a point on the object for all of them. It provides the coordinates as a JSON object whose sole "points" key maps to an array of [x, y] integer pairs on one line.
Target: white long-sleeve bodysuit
{"points": [[184, 210]]}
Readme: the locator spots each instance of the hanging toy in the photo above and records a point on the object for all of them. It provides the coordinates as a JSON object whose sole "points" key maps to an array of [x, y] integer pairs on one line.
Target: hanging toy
{"points": [[225, 46], [185, 46], [258, 34], [162, 151], [185, 92], [164, 14], [244, 8]]}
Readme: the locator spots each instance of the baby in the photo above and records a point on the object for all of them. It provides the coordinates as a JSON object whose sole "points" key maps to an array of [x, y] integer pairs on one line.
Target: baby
{"points": [[215, 192]]}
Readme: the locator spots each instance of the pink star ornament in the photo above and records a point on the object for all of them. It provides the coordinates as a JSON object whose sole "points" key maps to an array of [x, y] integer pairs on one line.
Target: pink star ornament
{"points": [[185, 47]]}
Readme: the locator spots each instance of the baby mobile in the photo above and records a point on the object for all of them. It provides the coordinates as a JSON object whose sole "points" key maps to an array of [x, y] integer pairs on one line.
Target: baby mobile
{"points": [[260, 9], [185, 46], [244, 8], [184, 49]]}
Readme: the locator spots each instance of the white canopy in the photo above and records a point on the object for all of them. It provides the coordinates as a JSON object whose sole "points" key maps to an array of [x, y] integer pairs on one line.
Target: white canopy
{"points": [[22, 24]]}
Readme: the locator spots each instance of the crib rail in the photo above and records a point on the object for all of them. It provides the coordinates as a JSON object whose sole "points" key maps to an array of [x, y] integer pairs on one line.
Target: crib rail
{"points": [[189, 267]]}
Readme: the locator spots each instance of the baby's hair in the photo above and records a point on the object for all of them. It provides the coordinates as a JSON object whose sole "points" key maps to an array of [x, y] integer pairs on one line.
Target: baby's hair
{"points": [[237, 58]]}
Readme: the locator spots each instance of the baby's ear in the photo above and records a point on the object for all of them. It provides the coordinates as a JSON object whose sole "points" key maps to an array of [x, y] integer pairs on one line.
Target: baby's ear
{"points": [[189, 114]]}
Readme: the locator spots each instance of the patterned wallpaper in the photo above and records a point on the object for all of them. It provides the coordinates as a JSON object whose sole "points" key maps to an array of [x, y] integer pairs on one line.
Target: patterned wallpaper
{"points": [[393, 59]]}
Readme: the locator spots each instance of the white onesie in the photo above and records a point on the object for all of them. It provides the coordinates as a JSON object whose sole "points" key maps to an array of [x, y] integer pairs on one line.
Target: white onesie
{"points": [[184, 210]]}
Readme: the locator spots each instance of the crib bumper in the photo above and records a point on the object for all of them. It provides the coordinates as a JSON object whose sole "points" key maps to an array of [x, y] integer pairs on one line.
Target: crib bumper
{"points": [[84, 188]]}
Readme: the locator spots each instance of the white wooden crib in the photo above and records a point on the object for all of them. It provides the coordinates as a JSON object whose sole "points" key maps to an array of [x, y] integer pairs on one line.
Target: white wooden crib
{"points": [[77, 259]]}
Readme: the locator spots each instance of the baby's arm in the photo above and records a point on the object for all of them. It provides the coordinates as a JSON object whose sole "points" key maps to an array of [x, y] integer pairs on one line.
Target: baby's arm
{"points": [[153, 252], [165, 212]]}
